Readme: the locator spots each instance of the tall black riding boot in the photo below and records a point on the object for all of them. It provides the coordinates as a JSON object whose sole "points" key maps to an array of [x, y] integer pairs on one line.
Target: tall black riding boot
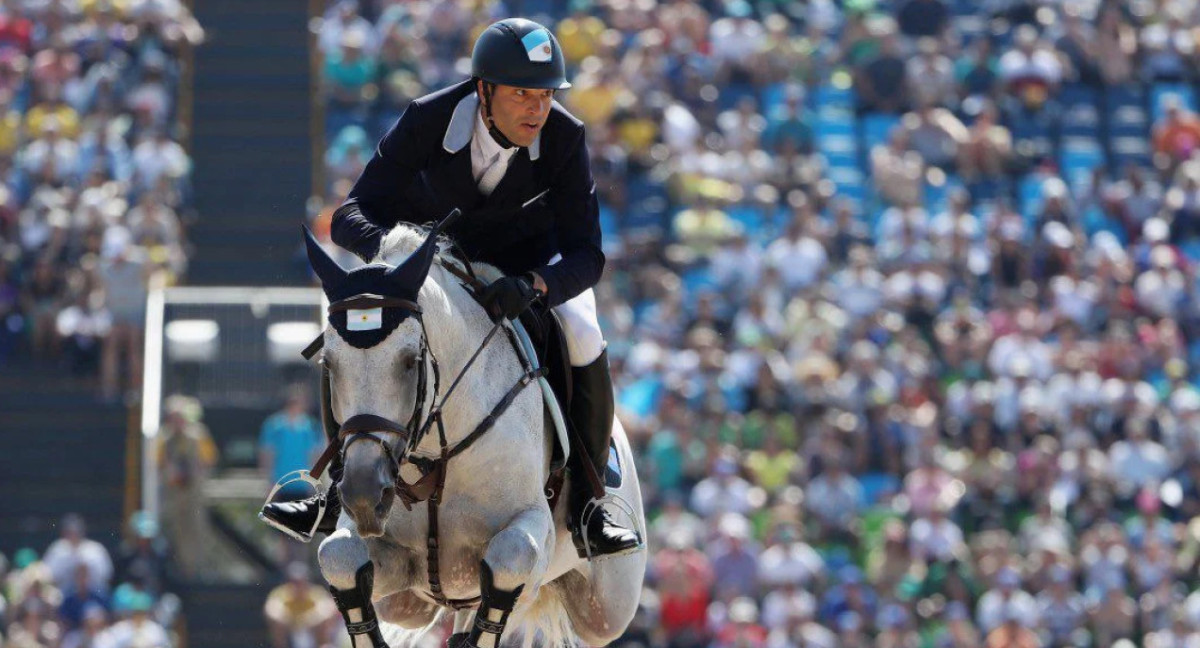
{"points": [[299, 519], [594, 532], [358, 611]]}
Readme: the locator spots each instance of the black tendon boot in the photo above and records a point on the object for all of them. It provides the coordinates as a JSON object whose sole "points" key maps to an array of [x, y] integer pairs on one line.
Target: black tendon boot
{"points": [[594, 532], [358, 611], [494, 607]]}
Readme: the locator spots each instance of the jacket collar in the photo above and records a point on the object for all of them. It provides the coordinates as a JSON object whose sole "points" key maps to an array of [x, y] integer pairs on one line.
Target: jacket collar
{"points": [[462, 127]]}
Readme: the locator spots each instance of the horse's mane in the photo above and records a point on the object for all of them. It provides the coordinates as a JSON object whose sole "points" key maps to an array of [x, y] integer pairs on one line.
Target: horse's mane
{"points": [[405, 238]]}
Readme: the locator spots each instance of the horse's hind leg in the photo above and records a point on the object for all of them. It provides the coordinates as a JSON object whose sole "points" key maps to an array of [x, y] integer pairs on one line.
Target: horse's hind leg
{"points": [[347, 567], [602, 605], [516, 558]]}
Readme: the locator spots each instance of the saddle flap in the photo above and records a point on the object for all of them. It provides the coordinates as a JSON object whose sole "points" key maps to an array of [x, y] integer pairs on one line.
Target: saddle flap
{"points": [[541, 327]]}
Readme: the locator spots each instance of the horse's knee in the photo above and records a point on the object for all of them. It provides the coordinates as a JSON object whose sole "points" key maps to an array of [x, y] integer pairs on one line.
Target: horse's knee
{"points": [[513, 554], [340, 556]]}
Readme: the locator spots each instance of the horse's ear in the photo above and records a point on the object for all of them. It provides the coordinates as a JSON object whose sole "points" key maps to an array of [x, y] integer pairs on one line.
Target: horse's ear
{"points": [[410, 275], [328, 270]]}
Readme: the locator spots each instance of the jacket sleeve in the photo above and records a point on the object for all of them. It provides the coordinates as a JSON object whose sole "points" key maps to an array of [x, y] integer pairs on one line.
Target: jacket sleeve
{"points": [[375, 203], [577, 227]]}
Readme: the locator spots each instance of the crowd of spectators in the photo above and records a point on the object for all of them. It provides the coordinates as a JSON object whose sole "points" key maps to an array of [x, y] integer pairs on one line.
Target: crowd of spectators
{"points": [[901, 301], [93, 178], [76, 595]]}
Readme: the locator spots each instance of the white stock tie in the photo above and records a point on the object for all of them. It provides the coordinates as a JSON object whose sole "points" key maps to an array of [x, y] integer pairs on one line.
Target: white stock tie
{"points": [[492, 176]]}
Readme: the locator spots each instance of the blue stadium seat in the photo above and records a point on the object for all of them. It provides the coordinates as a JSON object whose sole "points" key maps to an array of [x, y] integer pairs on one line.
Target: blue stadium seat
{"points": [[1081, 111], [1161, 91], [876, 484], [1130, 150], [772, 97], [1073, 94], [1032, 134], [1030, 195], [833, 96], [750, 218], [1078, 159], [1191, 249], [875, 129], [1094, 221], [732, 93]]}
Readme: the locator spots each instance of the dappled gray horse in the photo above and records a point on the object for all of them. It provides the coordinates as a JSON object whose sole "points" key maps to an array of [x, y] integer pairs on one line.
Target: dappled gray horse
{"points": [[487, 545]]}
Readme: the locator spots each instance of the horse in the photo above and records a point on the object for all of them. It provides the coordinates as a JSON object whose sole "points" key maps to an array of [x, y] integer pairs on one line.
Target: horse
{"points": [[489, 536]]}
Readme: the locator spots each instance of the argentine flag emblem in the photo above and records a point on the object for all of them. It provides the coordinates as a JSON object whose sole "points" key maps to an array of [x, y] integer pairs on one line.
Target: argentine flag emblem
{"points": [[370, 319], [537, 45]]}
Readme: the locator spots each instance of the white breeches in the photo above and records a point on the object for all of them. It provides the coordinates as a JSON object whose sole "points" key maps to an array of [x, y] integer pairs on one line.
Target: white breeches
{"points": [[585, 342]]}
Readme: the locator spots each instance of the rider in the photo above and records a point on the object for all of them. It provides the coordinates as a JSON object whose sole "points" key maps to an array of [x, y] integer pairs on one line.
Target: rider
{"points": [[498, 147]]}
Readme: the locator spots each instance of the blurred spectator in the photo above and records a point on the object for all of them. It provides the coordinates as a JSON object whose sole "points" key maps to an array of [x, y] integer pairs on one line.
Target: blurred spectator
{"points": [[880, 82], [1177, 134], [186, 456], [1014, 632], [723, 492], [290, 440], [73, 549], [923, 18], [123, 277], [79, 598], [140, 629], [899, 170], [300, 613]]}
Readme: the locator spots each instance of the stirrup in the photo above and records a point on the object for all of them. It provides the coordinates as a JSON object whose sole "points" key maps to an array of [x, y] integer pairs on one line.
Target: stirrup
{"points": [[596, 504], [302, 476]]}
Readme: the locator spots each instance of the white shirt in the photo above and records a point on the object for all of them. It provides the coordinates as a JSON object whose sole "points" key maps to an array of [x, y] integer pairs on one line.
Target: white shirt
{"points": [[484, 152], [62, 557]]}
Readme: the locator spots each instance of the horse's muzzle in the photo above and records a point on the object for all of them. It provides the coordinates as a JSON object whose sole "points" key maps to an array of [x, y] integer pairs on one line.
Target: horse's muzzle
{"points": [[368, 499]]}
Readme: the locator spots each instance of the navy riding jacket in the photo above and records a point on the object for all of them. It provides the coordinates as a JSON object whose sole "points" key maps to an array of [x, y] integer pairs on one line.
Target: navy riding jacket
{"points": [[545, 204]]}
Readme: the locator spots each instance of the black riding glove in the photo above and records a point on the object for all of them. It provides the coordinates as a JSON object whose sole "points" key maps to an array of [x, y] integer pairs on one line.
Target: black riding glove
{"points": [[508, 297]]}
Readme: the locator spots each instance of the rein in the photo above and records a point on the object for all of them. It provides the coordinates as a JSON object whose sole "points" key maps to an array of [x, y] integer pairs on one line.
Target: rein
{"points": [[428, 488]]}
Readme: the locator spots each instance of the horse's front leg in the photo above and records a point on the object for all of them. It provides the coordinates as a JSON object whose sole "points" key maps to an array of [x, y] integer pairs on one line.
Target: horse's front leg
{"points": [[516, 559], [347, 567]]}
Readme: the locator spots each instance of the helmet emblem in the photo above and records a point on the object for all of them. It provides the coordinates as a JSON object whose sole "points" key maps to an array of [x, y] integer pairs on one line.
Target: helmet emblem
{"points": [[537, 46]]}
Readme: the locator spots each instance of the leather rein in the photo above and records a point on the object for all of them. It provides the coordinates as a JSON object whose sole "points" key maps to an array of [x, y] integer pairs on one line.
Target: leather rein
{"points": [[428, 488]]}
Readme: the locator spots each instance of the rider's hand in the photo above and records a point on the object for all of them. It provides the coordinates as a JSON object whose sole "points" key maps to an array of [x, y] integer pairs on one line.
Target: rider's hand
{"points": [[508, 297]]}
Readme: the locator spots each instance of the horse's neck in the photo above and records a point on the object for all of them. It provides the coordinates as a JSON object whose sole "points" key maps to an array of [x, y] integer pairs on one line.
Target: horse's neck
{"points": [[455, 334]]}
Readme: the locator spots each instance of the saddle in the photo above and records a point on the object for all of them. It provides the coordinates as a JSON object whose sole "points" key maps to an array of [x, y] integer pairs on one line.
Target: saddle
{"points": [[550, 346]]}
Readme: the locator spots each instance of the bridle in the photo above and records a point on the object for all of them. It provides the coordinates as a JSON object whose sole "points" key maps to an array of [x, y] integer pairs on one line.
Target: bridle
{"points": [[428, 488]]}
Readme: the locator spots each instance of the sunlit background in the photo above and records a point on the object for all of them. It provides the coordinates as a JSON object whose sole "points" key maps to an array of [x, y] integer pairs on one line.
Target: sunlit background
{"points": [[901, 300]]}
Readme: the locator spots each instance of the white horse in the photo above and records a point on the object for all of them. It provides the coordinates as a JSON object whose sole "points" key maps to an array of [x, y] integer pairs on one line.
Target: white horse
{"points": [[494, 522]]}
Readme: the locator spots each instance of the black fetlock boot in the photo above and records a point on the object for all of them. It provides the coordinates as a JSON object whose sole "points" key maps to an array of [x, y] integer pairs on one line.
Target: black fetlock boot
{"points": [[304, 518], [494, 607], [594, 532], [358, 611]]}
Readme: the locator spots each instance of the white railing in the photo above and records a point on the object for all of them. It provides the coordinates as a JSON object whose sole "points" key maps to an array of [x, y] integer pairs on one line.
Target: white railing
{"points": [[195, 299]]}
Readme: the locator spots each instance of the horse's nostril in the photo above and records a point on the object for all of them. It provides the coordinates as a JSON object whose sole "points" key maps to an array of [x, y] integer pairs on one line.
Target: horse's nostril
{"points": [[385, 503]]}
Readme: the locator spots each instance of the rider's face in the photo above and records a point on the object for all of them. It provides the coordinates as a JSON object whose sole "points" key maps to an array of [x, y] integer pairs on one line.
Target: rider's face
{"points": [[520, 113]]}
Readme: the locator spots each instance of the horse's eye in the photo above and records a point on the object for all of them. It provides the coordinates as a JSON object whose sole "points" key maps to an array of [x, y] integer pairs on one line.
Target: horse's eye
{"points": [[410, 362]]}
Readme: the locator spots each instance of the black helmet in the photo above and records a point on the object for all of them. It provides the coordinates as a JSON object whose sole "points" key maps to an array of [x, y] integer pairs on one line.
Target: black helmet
{"points": [[521, 53]]}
